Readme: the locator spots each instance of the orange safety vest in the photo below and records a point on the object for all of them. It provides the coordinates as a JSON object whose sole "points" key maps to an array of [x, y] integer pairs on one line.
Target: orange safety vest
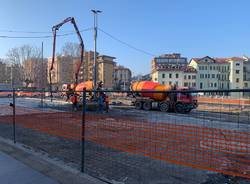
{"points": [[74, 99]]}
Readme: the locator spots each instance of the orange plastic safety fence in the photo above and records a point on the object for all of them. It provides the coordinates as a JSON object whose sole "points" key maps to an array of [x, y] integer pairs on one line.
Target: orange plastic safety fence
{"points": [[214, 149]]}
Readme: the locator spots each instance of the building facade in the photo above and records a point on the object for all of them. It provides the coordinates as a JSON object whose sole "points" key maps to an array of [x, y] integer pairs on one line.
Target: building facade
{"points": [[222, 73], [63, 71], [168, 60], [181, 76], [211, 73], [105, 70], [122, 77]]}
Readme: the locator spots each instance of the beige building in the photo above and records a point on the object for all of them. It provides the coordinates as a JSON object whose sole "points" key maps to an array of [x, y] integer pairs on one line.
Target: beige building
{"points": [[175, 75], [63, 71], [122, 77], [105, 70], [35, 72], [65, 68]]}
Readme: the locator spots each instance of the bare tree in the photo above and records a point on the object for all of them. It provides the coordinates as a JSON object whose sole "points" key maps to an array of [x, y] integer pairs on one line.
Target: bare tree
{"points": [[71, 49], [25, 64]]}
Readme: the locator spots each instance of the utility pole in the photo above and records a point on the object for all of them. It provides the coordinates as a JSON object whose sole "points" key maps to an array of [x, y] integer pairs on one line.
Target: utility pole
{"points": [[95, 13], [42, 77]]}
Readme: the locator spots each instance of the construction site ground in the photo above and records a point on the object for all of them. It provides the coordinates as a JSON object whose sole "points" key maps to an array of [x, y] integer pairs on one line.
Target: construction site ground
{"points": [[135, 146]]}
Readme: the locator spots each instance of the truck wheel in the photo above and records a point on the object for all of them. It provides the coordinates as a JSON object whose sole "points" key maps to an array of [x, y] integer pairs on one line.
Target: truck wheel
{"points": [[188, 110], [179, 108], [164, 106], [147, 106], [138, 105]]}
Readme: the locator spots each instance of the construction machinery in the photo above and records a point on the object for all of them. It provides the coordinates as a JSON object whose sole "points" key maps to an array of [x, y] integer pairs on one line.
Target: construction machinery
{"points": [[54, 30], [180, 102]]}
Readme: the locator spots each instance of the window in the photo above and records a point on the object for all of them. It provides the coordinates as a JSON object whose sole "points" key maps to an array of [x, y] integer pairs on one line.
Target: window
{"points": [[199, 67], [170, 82], [215, 85], [218, 76], [205, 67], [222, 85], [211, 84], [177, 75], [237, 64], [208, 75], [201, 76], [170, 75], [214, 67], [189, 76], [176, 83], [245, 85], [185, 77], [237, 80], [193, 76], [213, 76], [163, 83], [211, 68], [237, 71], [205, 75], [193, 84], [185, 84], [163, 75], [201, 85]]}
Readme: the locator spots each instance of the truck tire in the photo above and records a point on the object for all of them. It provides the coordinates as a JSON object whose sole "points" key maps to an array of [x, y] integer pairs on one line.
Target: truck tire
{"points": [[147, 106], [164, 106], [179, 108], [188, 110], [138, 105]]}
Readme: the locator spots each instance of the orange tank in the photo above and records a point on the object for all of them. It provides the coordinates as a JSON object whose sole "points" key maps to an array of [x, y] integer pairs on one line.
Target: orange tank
{"points": [[88, 85], [151, 86]]}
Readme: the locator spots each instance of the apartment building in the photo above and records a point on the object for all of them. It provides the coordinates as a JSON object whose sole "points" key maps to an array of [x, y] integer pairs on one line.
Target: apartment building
{"points": [[212, 73], [63, 71], [105, 70], [168, 60], [122, 77], [222, 73], [175, 75], [172, 69]]}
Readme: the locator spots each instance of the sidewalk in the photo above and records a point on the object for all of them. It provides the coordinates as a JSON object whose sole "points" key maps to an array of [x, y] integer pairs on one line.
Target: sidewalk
{"points": [[14, 172], [19, 165]]}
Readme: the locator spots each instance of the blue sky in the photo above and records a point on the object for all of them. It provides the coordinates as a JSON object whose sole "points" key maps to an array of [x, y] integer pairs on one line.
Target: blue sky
{"points": [[194, 28]]}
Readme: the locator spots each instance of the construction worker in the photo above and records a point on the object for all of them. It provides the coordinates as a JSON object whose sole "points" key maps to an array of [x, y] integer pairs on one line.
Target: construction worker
{"points": [[74, 101], [100, 100], [69, 92], [107, 103]]}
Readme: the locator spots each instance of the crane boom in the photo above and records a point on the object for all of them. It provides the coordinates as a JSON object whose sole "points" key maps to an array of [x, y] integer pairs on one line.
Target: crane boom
{"points": [[54, 30]]}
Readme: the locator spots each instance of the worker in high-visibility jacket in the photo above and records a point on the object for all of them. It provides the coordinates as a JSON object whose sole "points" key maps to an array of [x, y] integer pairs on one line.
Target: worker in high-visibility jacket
{"points": [[74, 102], [107, 103]]}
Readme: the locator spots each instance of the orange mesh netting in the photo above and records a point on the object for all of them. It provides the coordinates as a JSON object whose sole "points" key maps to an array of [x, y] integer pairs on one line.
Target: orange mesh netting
{"points": [[214, 149]]}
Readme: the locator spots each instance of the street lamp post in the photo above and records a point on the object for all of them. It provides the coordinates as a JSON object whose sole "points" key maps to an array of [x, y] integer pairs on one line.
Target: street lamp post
{"points": [[95, 12]]}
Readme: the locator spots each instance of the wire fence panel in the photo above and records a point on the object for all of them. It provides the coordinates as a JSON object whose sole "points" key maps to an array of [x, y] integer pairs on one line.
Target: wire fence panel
{"points": [[137, 143]]}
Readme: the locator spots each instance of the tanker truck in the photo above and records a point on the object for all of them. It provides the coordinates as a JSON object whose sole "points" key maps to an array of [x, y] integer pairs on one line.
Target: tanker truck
{"points": [[180, 102]]}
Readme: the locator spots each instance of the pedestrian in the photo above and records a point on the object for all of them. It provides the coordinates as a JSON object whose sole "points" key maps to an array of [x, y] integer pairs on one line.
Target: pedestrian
{"points": [[74, 102]]}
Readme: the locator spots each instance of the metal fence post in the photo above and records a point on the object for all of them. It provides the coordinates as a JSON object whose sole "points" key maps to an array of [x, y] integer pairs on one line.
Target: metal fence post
{"points": [[14, 115], [83, 130]]}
